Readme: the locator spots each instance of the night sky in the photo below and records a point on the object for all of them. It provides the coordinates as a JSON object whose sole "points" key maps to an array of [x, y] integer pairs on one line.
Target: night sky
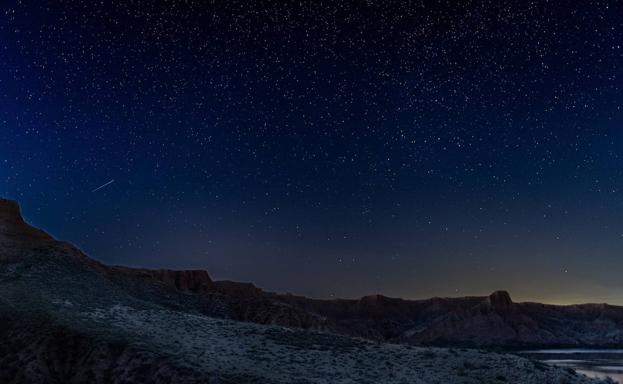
{"points": [[332, 149]]}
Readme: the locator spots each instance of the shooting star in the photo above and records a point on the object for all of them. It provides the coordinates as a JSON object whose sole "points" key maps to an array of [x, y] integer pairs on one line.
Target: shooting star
{"points": [[103, 186]]}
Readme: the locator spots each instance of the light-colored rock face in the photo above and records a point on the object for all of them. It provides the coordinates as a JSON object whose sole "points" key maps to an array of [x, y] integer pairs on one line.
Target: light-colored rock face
{"points": [[13, 228]]}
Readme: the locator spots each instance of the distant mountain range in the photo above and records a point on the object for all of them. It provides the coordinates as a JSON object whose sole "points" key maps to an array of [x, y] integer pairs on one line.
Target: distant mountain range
{"points": [[67, 318], [489, 321]]}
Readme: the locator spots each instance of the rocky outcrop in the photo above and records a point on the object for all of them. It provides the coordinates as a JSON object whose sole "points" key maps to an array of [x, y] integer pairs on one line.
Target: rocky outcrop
{"points": [[500, 300], [13, 227]]}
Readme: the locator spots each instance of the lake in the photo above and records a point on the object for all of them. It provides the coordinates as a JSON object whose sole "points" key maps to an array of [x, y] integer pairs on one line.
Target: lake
{"points": [[600, 363]]}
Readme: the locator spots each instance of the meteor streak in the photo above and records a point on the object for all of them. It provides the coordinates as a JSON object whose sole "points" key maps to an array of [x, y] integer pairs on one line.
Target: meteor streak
{"points": [[103, 186]]}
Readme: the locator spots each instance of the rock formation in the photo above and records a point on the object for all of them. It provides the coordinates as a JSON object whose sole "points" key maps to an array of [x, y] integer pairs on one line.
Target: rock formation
{"points": [[13, 227]]}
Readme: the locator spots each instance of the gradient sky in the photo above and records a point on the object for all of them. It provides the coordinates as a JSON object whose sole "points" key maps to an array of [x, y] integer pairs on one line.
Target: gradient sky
{"points": [[411, 148]]}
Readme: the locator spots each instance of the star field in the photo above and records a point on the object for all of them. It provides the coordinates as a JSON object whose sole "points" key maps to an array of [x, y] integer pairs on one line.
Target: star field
{"points": [[412, 148]]}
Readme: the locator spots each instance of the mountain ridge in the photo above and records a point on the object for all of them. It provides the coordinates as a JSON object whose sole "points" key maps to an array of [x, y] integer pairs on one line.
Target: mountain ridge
{"points": [[491, 321], [67, 318], [198, 279]]}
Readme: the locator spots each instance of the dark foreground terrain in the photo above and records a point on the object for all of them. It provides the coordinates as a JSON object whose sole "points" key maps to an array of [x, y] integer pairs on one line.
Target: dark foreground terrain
{"points": [[65, 318]]}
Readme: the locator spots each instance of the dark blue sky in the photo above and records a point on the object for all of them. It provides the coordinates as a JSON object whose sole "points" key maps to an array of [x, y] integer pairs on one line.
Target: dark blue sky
{"points": [[411, 148]]}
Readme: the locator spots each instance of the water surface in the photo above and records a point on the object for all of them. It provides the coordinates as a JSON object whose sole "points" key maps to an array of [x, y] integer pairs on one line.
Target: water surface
{"points": [[599, 363]]}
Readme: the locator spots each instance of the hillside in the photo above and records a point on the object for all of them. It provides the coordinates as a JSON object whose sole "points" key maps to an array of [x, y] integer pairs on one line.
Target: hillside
{"points": [[65, 318]]}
